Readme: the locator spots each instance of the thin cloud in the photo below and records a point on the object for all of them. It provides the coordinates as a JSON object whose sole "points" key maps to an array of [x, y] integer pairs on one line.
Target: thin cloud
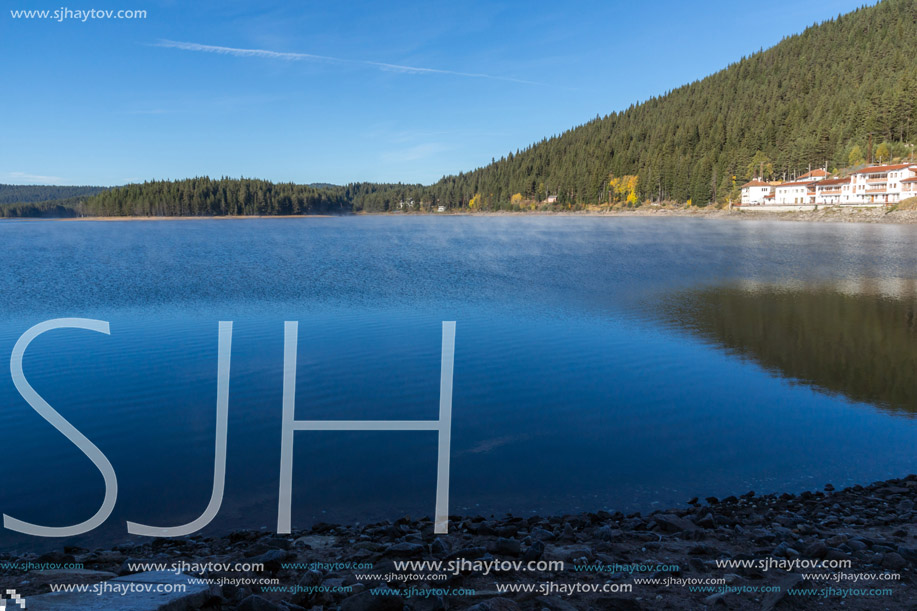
{"points": [[18, 177], [288, 56]]}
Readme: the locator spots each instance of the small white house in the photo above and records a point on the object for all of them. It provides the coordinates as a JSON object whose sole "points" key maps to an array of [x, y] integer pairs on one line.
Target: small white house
{"points": [[441, 209], [756, 192], [908, 188]]}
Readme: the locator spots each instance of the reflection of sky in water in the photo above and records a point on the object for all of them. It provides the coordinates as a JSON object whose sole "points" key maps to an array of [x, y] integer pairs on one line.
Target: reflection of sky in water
{"points": [[571, 393]]}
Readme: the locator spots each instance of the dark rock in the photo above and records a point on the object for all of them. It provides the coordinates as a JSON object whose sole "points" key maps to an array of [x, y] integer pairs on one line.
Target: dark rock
{"points": [[856, 545], [242, 535], [708, 521], [836, 540], [716, 599], [673, 523], [785, 550], [567, 553], [618, 603], [508, 547], [534, 552], [271, 559], [468, 553], [405, 550], [607, 533], [542, 534], [495, 604], [818, 549], [310, 578], [366, 601], [258, 603], [554, 603], [786, 583], [441, 546], [893, 561], [835, 554], [427, 603]]}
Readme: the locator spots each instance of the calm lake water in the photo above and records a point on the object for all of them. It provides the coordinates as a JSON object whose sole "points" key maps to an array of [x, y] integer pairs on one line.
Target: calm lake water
{"points": [[601, 363]]}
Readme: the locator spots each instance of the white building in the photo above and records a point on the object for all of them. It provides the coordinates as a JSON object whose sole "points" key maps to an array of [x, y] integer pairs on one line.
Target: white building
{"points": [[799, 192], [875, 185], [882, 184], [832, 191], [756, 192], [908, 188]]}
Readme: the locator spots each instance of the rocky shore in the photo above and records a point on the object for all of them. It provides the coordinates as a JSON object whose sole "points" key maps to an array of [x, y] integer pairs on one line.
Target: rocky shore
{"points": [[824, 214], [865, 534]]}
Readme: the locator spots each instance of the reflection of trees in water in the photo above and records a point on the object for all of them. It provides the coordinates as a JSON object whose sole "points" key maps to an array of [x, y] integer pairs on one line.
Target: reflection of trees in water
{"points": [[861, 345]]}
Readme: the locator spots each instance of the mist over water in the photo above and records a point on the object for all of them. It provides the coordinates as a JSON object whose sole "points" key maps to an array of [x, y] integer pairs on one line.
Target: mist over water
{"points": [[600, 363]]}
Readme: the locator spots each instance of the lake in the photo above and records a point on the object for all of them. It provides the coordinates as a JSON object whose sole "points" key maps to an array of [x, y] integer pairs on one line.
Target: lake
{"points": [[600, 363]]}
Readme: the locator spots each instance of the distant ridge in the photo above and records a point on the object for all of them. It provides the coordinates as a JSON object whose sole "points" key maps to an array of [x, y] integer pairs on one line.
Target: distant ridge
{"points": [[21, 194]]}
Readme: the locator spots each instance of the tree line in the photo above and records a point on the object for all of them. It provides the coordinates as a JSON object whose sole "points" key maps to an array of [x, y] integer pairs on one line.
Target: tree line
{"points": [[841, 93]]}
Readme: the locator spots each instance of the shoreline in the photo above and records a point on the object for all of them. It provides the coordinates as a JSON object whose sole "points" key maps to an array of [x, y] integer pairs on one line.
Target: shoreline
{"points": [[228, 217], [863, 531], [823, 215]]}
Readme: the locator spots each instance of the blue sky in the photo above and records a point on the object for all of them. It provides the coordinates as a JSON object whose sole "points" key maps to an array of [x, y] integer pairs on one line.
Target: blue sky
{"points": [[344, 91]]}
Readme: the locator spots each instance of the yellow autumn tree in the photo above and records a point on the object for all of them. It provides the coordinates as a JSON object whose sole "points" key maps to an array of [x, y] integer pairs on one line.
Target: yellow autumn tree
{"points": [[623, 189], [516, 198], [883, 153], [475, 202]]}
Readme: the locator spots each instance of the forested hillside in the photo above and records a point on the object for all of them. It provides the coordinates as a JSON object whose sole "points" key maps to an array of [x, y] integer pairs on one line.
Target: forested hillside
{"points": [[809, 100]]}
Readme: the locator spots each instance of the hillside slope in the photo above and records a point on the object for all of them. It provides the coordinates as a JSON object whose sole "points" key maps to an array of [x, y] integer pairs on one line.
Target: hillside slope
{"points": [[808, 100]]}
